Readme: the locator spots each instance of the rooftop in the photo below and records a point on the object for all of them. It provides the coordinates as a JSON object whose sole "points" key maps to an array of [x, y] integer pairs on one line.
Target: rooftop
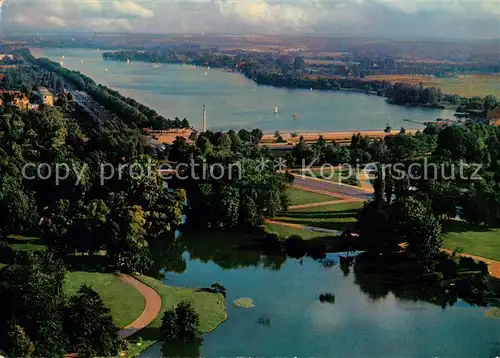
{"points": [[44, 91]]}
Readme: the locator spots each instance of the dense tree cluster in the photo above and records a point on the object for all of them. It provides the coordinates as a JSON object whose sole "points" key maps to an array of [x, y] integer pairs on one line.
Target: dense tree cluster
{"points": [[39, 320], [81, 212], [457, 176], [226, 184]]}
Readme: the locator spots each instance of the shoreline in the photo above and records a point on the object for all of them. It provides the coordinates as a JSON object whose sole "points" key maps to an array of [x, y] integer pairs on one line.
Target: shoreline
{"points": [[169, 136]]}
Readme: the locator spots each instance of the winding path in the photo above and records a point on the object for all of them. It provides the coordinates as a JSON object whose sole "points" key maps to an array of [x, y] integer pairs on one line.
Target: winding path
{"points": [[151, 310]]}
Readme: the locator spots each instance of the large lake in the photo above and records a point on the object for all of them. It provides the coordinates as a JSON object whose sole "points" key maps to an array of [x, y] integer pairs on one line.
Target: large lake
{"points": [[234, 102], [368, 319]]}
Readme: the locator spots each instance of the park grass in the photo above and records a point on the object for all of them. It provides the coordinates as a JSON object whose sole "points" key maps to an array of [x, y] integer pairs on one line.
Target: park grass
{"points": [[124, 301], [21, 243], [211, 308], [284, 232], [334, 216], [300, 197], [471, 239]]}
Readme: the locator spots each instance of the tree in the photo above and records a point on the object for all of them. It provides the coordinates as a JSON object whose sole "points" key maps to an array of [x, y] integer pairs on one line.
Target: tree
{"points": [[188, 321], [419, 228], [169, 329], [89, 325], [32, 294], [388, 129], [128, 248], [19, 343], [180, 323], [18, 210], [299, 63]]}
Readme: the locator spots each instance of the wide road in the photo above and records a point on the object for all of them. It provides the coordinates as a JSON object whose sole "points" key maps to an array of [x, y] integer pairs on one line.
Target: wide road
{"points": [[331, 187]]}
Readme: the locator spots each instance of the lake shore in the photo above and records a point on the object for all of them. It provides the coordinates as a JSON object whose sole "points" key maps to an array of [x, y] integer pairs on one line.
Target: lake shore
{"points": [[169, 137]]}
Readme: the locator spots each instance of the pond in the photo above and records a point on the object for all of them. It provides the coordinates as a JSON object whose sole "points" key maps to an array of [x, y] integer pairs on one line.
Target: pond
{"points": [[234, 102], [367, 319]]}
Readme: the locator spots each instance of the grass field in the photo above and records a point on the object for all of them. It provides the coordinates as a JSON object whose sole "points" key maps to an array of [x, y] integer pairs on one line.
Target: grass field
{"points": [[299, 197], [473, 240], [124, 301], [468, 86], [211, 308], [335, 216], [286, 231]]}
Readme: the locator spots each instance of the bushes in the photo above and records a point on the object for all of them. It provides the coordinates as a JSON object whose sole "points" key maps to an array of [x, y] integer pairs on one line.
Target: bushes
{"points": [[327, 298]]}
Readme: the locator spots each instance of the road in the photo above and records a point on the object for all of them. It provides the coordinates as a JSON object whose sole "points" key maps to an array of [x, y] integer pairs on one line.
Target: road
{"points": [[331, 187], [95, 110]]}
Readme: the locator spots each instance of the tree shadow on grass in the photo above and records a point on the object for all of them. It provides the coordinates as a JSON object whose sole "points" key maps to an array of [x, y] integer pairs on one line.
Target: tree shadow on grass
{"points": [[322, 214], [88, 263], [461, 227], [147, 334]]}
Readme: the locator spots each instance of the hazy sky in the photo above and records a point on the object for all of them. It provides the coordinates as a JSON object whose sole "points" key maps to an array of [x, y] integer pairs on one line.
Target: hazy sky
{"points": [[390, 18]]}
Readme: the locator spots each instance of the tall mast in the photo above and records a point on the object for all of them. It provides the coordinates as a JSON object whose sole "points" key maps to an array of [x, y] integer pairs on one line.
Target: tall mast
{"points": [[204, 119]]}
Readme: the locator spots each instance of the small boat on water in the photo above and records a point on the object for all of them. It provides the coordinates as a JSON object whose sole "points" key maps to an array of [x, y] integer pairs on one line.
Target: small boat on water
{"points": [[296, 116], [106, 70], [128, 60], [276, 110]]}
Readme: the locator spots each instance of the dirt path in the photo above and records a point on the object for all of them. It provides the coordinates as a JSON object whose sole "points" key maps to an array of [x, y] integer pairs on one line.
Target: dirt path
{"points": [[493, 266], [151, 310]]}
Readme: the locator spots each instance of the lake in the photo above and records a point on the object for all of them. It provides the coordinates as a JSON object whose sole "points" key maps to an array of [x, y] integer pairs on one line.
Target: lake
{"points": [[234, 102], [366, 319]]}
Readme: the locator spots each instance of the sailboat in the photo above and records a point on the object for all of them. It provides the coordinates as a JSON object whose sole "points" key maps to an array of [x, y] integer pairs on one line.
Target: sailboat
{"points": [[276, 110], [128, 60], [106, 70]]}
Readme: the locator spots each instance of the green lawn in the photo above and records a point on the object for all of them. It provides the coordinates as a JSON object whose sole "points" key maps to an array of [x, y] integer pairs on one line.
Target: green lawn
{"points": [[210, 306], [334, 216], [21, 243], [299, 197], [473, 240], [285, 231], [124, 301]]}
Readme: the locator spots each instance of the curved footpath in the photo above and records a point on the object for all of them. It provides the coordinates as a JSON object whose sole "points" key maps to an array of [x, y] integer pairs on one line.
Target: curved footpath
{"points": [[151, 310]]}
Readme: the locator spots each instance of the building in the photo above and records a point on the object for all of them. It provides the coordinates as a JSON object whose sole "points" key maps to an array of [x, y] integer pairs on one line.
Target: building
{"points": [[493, 117], [47, 96], [16, 99], [23, 103], [5, 56]]}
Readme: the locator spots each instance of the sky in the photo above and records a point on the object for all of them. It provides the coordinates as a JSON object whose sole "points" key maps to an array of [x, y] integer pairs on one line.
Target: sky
{"points": [[387, 18]]}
